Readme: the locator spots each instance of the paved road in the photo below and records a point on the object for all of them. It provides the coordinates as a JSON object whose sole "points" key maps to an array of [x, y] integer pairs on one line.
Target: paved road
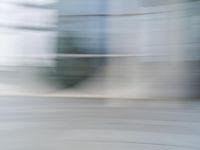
{"points": [[39, 123]]}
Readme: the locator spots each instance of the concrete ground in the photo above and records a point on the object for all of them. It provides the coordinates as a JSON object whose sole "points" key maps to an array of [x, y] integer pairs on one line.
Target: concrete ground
{"points": [[49, 123]]}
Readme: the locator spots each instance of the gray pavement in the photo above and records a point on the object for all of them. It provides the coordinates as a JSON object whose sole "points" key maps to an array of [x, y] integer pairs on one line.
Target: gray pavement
{"points": [[49, 123]]}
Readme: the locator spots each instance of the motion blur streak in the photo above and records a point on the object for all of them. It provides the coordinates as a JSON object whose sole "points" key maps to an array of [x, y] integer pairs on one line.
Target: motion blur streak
{"points": [[99, 74]]}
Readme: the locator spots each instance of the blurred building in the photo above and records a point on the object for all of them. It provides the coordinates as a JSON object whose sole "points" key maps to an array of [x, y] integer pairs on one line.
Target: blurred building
{"points": [[28, 37], [147, 45], [116, 48], [27, 28]]}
